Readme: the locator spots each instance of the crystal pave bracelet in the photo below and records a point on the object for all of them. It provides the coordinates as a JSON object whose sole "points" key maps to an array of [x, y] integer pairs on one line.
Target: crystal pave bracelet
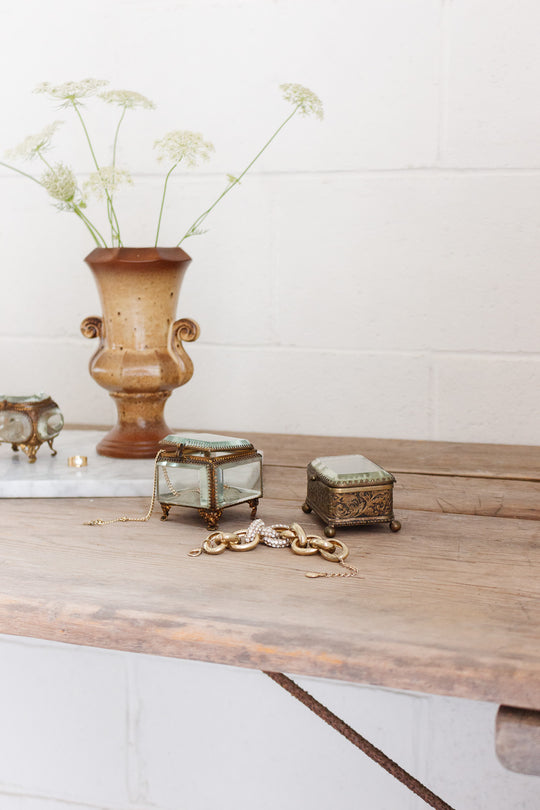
{"points": [[280, 535]]}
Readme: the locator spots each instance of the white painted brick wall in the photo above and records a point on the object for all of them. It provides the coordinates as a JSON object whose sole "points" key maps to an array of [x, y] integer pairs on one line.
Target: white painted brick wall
{"points": [[116, 731], [376, 275], [404, 227]]}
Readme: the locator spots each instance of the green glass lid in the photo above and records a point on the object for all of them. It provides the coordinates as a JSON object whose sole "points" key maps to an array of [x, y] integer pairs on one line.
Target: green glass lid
{"points": [[31, 399], [349, 470], [206, 441]]}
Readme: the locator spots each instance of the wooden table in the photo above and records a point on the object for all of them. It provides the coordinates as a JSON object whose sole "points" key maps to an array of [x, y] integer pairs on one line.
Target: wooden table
{"points": [[449, 605]]}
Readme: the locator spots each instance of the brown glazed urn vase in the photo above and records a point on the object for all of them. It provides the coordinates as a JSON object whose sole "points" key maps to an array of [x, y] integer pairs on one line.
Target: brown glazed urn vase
{"points": [[140, 359]]}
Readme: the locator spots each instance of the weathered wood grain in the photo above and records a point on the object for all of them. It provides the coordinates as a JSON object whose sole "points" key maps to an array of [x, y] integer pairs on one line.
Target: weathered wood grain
{"points": [[494, 497], [517, 739], [449, 605], [515, 462]]}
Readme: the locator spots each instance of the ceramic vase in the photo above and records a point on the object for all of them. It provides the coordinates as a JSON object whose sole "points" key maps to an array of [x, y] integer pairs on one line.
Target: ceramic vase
{"points": [[140, 359]]}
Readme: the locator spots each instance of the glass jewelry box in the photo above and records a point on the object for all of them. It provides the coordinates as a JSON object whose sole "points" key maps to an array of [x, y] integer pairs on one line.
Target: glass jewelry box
{"points": [[208, 473], [28, 422]]}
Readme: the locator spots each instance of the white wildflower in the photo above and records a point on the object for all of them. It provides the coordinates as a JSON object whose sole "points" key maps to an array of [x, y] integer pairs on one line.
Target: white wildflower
{"points": [[128, 99], [181, 144], [34, 144], [105, 181], [71, 92], [304, 99], [60, 183]]}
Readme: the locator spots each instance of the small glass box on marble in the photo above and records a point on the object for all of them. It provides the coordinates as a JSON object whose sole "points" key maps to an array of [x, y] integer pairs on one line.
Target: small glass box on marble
{"points": [[208, 473], [349, 491], [28, 422]]}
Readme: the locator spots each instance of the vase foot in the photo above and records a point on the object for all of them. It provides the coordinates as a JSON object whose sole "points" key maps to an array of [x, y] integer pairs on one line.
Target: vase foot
{"points": [[140, 426], [119, 448]]}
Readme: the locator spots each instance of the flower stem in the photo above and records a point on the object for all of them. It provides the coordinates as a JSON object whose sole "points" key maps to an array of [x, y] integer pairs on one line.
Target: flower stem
{"points": [[110, 205], [203, 216], [111, 213], [163, 200], [19, 171], [116, 137], [92, 228], [79, 213], [76, 210], [45, 161]]}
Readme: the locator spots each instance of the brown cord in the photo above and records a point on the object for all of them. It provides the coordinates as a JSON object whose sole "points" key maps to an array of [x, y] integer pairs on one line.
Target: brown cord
{"points": [[360, 742]]}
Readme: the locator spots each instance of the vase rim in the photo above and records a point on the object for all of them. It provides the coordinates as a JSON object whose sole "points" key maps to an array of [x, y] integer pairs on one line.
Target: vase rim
{"points": [[103, 255]]}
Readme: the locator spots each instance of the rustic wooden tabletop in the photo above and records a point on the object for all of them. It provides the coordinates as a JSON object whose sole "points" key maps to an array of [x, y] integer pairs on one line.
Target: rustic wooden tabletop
{"points": [[448, 605]]}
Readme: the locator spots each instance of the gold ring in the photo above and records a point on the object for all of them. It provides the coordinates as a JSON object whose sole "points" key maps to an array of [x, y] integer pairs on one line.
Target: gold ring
{"points": [[77, 461]]}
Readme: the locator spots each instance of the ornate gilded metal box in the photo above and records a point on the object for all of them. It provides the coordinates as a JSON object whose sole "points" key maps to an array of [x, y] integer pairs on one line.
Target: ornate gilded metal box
{"points": [[349, 491], [28, 422], [208, 473]]}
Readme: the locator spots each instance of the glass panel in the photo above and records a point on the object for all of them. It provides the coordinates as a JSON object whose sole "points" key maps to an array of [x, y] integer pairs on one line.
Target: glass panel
{"points": [[183, 484], [238, 481], [349, 469], [50, 423], [15, 427]]}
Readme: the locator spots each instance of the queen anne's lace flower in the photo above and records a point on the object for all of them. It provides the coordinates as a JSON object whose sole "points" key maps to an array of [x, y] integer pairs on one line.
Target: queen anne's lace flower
{"points": [[106, 181], [304, 99], [128, 99], [71, 92], [34, 144], [183, 145], [60, 182]]}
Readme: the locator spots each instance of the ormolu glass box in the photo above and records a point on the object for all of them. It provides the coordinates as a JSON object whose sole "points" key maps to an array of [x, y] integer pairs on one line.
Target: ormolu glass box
{"points": [[208, 473], [28, 422], [349, 491]]}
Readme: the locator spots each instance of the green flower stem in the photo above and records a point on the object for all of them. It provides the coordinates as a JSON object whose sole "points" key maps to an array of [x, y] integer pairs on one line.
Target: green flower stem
{"points": [[45, 161], [24, 174], [79, 213], [111, 213], [110, 205], [163, 200], [116, 137], [203, 216], [92, 228], [76, 210]]}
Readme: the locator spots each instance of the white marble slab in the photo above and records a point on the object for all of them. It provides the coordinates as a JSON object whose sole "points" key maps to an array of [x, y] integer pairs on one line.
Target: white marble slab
{"points": [[50, 476]]}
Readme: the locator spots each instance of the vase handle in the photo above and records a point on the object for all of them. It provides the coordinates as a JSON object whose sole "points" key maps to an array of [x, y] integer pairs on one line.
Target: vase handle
{"points": [[185, 330], [92, 327]]}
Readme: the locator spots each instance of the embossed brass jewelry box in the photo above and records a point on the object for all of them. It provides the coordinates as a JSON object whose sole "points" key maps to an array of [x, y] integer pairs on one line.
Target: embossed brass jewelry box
{"points": [[349, 491], [209, 473]]}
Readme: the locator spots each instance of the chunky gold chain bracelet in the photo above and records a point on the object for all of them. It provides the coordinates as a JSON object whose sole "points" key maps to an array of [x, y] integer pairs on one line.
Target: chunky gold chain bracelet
{"points": [[280, 535]]}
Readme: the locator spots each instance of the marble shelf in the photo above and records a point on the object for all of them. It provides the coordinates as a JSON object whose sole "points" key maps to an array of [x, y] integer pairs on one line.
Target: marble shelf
{"points": [[50, 476]]}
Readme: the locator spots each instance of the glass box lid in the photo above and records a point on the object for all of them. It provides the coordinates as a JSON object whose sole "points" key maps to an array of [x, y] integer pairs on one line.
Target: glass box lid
{"points": [[350, 470], [206, 442], [31, 399]]}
